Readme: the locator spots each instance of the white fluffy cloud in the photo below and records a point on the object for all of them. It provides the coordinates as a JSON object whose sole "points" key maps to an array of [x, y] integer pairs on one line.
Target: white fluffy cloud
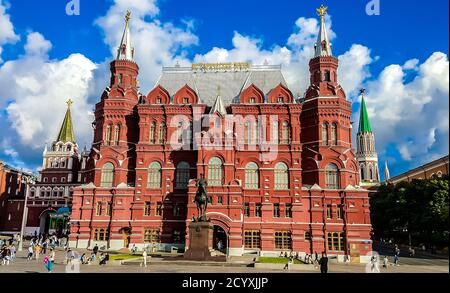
{"points": [[412, 114], [38, 88], [7, 35]]}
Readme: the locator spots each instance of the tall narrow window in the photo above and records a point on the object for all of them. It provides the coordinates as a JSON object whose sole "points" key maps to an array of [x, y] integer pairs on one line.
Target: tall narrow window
{"points": [[258, 210], [117, 135], [275, 132], [256, 137], [98, 209], [325, 134], [151, 236], [162, 133], [215, 172], [329, 211], [288, 211], [247, 209], [340, 211], [285, 132], [332, 177], [327, 76], [109, 209], [152, 133], [108, 134], [251, 176], [159, 207], [182, 175], [180, 132], [154, 175], [248, 133], [276, 210], [107, 178], [147, 208], [281, 176], [120, 78], [334, 134]]}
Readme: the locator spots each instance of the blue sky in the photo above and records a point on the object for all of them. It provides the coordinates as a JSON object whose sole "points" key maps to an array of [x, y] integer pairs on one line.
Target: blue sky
{"points": [[401, 56]]}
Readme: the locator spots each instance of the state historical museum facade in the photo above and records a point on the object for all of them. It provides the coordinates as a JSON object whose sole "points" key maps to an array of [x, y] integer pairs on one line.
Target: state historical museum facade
{"points": [[282, 175]]}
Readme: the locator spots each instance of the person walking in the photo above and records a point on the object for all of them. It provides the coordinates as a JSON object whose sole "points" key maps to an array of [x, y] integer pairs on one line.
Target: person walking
{"points": [[95, 249], [385, 262], [323, 262], [52, 255], [30, 252], [144, 255], [48, 264], [37, 251]]}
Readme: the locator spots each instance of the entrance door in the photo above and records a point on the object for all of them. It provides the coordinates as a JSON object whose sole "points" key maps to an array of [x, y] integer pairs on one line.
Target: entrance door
{"points": [[44, 222], [220, 239]]}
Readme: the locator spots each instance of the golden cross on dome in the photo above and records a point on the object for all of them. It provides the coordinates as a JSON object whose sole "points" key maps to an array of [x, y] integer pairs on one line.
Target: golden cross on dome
{"points": [[69, 103], [128, 16], [322, 10]]}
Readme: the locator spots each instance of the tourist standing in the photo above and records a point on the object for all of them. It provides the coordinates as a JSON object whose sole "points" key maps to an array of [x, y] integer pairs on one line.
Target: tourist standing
{"points": [[323, 262], [144, 255], [52, 255], [30, 252], [95, 249], [37, 250], [385, 262]]}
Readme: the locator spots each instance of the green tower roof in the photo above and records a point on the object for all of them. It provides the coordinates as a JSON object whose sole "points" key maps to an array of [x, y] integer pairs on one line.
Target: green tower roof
{"points": [[364, 122], [66, 132]]}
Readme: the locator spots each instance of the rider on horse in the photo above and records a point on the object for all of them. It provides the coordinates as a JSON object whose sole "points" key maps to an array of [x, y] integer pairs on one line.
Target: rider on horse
{"points": [[201, 198]]}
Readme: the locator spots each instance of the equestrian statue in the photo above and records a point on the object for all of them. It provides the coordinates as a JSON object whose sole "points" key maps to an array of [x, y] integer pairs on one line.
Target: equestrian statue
{"points": [[201, 198]]}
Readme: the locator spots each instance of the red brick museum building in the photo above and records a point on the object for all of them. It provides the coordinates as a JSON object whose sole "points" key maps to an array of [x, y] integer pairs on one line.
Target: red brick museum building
{"points": [[281, 171]]}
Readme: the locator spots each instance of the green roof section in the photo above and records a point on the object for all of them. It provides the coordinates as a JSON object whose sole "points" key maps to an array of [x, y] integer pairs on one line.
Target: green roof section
{"points": [[66, 133], [364, 122]]}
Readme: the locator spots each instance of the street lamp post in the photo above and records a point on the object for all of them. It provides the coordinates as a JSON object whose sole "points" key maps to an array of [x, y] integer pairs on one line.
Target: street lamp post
{"points": [[27, 181]]}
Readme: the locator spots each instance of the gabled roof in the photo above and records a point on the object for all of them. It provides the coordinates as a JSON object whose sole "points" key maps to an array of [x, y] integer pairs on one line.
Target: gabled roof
{"points": [[231, 82]]}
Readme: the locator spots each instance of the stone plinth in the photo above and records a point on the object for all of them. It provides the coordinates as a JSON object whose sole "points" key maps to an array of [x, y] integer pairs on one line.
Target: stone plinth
{"points": [[200, 243]]}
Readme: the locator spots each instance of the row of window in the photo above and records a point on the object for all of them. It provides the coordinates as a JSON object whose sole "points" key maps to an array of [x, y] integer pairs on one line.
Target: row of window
{"points": [[214, 177], [109, 139], [55, 179], [329, 137], [251, 132]]}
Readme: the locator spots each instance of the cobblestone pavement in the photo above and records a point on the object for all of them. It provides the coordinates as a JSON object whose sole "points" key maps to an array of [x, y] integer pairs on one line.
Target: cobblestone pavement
{"points": [[22, 265]]}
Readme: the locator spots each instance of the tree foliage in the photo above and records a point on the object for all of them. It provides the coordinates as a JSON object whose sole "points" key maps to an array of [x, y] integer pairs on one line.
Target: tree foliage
{"points": [[420, 207]]}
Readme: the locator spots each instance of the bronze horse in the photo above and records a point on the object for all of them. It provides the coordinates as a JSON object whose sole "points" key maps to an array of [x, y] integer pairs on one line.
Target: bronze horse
{"points": [[201, 199]]}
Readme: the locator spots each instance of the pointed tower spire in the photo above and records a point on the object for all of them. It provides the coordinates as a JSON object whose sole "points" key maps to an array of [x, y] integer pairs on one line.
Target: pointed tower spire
{"points": [[126, 51], [66, 133], [387, 174], [364, 122], [366, 153], [323, 45]]}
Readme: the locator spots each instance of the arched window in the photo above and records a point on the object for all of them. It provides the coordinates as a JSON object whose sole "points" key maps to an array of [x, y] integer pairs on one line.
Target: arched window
{"points": [[251, 176], [215, 172], [362, 173], [325, 134], [162, 133], [117, 135], [332, 176], [371, 177], [107, 179], [334, 134], [108, 134], [154, 175], [152, 133], [182, 175], [285, 132], [281, 176]]}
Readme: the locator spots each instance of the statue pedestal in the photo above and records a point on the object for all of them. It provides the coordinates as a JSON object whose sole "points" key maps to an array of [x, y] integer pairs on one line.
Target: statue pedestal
{"points": [[200, 243]]}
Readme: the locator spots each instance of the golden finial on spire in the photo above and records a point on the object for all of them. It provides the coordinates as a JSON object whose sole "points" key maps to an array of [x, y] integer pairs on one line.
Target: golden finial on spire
{"points": [[128, 17], [322, 11], [69, 103]]}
